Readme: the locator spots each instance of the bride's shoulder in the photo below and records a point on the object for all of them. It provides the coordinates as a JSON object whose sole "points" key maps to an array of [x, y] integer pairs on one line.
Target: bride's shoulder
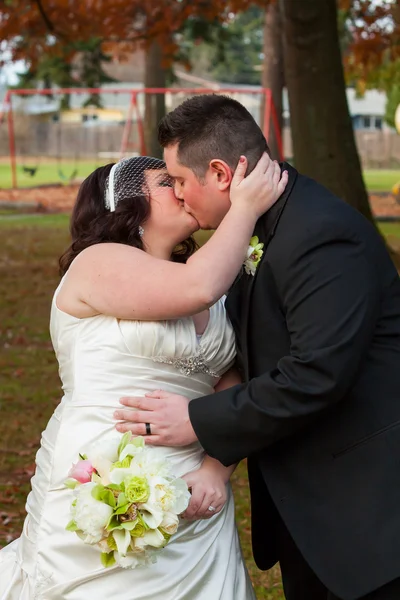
{"points": [[106, 249], [100, 259]]}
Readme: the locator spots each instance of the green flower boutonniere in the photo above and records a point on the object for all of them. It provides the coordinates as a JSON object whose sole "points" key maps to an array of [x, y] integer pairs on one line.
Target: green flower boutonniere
{"points": [[254, 254]]}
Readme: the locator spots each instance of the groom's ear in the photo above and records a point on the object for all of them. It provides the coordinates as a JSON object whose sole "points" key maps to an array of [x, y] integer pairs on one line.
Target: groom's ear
{"points": [[221, 174]]}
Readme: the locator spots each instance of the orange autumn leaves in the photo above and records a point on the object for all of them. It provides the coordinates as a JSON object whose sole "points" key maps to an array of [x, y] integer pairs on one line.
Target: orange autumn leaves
{"points": [[121, 25]]}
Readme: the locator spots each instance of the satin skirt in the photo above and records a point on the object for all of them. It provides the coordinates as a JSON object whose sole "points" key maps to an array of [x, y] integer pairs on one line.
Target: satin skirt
{"points": [[203, 561]]}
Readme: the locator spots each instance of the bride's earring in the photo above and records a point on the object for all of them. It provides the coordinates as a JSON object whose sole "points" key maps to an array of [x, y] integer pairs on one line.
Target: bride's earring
{"points": [[141, 231]]}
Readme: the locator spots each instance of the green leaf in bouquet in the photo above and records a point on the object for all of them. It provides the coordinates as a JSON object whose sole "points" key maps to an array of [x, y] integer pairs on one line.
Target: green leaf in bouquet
{"points": [[82, 456], [71, 483], [131, 526], [107, 559], [138, 441], [111, 543], [125, 440], [72, 526], [122, 501], [113, 523], [139, 529], [102, 494], [122, 464], [123, 505], [114, 487], [121, 510]]}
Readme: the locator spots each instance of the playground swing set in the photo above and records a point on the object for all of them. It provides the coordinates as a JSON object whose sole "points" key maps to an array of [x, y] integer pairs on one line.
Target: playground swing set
{"points": [[30, 168], [21, 163]]}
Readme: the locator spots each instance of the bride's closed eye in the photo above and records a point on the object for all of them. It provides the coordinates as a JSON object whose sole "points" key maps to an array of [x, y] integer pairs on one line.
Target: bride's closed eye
{"points": [[166, 182]]}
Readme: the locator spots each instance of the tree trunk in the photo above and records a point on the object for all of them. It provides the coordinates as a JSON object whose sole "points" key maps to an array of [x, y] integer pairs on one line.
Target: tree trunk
{"points": [[273, 71], [154, 103], [323, 138]]}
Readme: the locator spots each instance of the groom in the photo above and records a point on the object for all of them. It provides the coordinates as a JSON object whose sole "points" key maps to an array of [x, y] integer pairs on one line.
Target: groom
{"points": [[318, 336]]}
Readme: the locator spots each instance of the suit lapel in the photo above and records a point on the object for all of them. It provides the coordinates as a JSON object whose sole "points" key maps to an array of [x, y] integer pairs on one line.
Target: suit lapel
{"points": [[265, 230]]}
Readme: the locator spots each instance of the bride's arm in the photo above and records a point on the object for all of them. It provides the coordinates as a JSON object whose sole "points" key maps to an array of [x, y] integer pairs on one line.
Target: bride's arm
{"points": [[127, 283], [208, 484]]}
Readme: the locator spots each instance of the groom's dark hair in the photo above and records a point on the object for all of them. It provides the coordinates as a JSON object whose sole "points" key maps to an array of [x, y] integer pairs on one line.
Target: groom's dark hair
{"points": [[212, 126]]}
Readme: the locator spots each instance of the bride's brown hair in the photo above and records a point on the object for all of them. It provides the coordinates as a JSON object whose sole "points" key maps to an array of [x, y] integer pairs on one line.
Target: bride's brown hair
{"points": [[92, 223]]}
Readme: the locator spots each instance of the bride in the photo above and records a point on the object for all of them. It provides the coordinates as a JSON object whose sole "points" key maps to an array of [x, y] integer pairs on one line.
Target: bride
{"points": [[137, 309]]}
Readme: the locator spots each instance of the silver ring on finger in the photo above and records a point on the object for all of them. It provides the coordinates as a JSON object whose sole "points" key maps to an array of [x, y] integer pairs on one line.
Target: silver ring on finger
{"points": [[212, 509]]}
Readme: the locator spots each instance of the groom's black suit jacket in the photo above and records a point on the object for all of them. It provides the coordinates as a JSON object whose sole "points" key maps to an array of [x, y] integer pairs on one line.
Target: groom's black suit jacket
{"points": [[318, 335]]}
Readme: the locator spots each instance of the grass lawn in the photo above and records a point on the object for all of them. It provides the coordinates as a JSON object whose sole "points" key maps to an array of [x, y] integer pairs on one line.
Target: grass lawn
{"points": [[381, 180], [29, 384], [48, 172]]}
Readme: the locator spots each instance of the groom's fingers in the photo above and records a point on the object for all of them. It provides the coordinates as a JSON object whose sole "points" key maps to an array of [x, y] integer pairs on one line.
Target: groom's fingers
{"points": [[134, 428], [140, 429], [158, 394], [134, 416], [141, 402]]}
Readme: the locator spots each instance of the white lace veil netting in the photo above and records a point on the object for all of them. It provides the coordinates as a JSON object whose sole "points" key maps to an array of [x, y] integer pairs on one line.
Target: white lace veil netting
{"points": [[134, 177]]}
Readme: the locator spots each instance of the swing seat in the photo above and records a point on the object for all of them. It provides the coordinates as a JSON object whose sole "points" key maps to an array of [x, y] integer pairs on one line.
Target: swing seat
{"points": [[64, 177]]}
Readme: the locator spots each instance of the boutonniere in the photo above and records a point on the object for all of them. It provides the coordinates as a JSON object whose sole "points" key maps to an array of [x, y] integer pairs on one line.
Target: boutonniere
{"points": [[254, 254]]}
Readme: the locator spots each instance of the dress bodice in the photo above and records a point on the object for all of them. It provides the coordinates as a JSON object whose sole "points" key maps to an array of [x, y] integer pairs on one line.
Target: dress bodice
{"points": [[104, 358]]}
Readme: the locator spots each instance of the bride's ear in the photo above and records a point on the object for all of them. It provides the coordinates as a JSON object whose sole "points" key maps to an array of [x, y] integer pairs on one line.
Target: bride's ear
{"points": [[221, 174]]}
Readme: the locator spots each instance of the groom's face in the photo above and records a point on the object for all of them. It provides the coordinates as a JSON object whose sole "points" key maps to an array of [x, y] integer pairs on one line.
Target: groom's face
{"points": [[207, 200]]}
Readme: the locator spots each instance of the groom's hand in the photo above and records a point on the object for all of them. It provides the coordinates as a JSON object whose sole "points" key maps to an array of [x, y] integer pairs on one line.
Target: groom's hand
{"points": [[167, 414]]}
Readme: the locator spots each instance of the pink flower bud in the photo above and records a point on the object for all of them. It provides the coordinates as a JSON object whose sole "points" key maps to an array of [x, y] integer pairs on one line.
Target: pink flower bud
{"points": [[82, 471]]}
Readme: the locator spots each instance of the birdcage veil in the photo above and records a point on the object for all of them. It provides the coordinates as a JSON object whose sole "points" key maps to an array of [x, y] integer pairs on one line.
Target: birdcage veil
{"points": [[128, 179]]}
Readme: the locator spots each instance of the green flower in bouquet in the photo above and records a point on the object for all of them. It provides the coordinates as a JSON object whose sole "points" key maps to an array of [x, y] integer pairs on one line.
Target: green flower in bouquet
{"points": [[137, 489]]}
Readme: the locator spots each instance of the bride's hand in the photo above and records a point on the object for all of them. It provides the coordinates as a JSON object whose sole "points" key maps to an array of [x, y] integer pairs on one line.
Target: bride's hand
{"points": [[208, 491], [261, 188]]}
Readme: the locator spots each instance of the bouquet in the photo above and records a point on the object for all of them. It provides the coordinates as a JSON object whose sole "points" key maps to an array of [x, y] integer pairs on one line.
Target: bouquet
{"points": [[126, 501]]}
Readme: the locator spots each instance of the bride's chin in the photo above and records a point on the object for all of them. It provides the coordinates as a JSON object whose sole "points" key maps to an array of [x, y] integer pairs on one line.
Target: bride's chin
{"points": [[193, 224]]}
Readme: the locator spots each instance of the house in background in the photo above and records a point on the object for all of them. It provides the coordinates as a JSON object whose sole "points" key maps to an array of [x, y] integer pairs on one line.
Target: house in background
{"points": [[367, 112]]}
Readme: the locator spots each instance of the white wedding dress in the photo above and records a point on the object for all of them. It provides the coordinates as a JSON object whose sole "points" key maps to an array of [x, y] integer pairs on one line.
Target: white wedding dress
{"points": [[101, 359]]}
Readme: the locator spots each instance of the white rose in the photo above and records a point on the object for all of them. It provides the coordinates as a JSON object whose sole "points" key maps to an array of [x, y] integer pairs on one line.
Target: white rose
{"points": [[169, 523], [90, 515]]}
